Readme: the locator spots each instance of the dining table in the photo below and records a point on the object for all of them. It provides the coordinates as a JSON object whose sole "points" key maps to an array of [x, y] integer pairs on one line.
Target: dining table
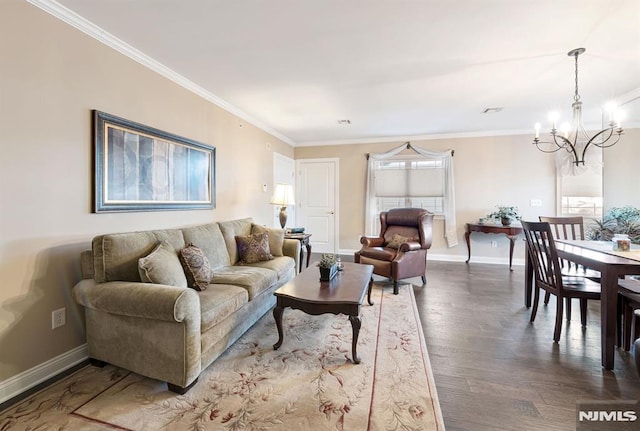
{"points": [[612, 265]]}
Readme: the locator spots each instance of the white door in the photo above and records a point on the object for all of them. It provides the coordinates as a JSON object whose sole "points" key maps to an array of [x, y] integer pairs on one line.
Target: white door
{"points": [[317, 202], [283, 173]]}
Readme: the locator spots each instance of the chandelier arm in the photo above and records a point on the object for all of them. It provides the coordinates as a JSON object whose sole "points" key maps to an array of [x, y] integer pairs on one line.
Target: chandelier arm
{"points": [[605, 145], [537, 142], [568, 146]]}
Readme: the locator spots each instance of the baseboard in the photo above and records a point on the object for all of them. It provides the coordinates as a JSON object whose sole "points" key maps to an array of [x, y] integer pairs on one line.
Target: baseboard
{"points": [[456, 258], [26, 380]]}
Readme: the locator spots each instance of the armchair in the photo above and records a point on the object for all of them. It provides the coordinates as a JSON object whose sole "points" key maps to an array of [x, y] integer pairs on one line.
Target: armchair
{"points": [[401, 249]]}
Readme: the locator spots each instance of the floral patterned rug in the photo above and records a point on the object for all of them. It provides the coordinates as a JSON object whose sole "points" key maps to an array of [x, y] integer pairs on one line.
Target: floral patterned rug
{"points": [[308, 384]]}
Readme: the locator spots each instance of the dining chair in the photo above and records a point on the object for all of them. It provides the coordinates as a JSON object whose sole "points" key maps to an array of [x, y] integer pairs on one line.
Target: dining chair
{"points": [[571, 228], [628, 307], [547, 271]]}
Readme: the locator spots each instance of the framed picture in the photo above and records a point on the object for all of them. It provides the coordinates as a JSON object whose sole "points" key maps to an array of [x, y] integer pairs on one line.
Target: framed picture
{"points": [[139, 168]]}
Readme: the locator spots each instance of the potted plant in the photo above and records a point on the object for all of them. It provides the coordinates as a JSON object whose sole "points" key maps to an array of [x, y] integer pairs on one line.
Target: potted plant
{"points": [[505, 214], [328, 266], [624, 220]]}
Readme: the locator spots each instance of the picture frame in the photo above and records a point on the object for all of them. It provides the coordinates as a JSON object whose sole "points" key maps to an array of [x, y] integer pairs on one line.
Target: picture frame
{"points": [[140, 168]]}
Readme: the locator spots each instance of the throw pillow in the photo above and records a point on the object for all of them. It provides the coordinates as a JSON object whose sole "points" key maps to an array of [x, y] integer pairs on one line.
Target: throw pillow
{"points": [[162, 266], [196, 267], [398, 240], [276, 238], [253, 248]]}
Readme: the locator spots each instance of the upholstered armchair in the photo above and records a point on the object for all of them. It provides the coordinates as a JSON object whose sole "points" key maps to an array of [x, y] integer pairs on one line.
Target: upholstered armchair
{"points": [[401, 249]]}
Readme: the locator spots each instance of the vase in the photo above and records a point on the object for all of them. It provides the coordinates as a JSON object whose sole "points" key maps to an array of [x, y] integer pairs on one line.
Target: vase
{"points": [[506, 221], [326, 274]]}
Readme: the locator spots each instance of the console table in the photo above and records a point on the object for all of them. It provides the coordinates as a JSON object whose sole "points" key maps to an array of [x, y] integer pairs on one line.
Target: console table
{"points": [[304, 243], [510, 231]]}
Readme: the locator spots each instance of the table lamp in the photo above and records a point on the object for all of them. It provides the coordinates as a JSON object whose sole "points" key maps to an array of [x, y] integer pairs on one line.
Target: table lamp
{"points": [[283, 197]]}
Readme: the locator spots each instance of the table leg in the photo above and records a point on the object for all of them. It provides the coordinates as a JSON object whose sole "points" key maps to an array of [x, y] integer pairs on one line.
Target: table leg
{"points": [[277, 315], [608, 311], [466, 238], [369, 292], [512, 240], [356, 322], [308, 253], [301, 256]]}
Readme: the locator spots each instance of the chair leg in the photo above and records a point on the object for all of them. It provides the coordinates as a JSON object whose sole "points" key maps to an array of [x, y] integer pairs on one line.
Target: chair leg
{"points": [[558, 328], [583, 311], [568, 301], [395, 287], [424, 279], [547, 295], [620, 316], [534, 306], [636, 354], [626, 331]]}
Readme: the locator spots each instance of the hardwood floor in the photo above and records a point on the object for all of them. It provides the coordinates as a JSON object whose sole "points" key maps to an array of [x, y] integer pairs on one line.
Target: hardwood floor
{"points": [[496, 371]]}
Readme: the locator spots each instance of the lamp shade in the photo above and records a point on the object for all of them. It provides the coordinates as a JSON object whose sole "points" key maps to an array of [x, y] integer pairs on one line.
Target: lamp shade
{"points": [[283, 195]]}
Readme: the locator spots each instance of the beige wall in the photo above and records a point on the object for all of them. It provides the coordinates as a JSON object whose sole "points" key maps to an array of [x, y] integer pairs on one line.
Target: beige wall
{"points": [[622, 171], [51, 77], [489, 171]]}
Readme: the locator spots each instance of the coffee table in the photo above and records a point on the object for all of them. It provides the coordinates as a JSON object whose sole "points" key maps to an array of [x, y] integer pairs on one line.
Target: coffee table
{"points": [[344, 294]]}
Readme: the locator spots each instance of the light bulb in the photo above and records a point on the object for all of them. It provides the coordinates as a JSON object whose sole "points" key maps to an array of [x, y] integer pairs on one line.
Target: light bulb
{"points": [[565, 127], [537, 127], [553, 117]]}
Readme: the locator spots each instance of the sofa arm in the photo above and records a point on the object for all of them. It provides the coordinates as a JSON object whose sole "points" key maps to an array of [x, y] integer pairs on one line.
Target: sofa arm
{"points": [[369, 241], [291, 248], [409, 246], [145, 300]]}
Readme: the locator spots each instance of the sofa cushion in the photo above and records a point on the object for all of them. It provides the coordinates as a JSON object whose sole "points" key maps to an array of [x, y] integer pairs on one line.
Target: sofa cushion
{"points": [[283, 266], [253, 248], [230, 229], [196, 267], [219, 302], [252, 278], [276, 238], [162, 266], [209, 239], [115, 256]]}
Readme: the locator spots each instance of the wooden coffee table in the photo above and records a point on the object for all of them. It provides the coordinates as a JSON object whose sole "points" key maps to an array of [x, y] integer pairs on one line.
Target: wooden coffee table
{"points": [[342, 295]]}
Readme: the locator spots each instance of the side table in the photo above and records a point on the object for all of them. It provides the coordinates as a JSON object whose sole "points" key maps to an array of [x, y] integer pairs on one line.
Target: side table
{"points": [[304, 243], [510, 231]]}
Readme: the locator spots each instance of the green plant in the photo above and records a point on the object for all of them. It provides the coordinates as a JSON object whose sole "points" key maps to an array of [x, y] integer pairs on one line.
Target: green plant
{"points": [[327, 260], [617, 220], [512, 213]]}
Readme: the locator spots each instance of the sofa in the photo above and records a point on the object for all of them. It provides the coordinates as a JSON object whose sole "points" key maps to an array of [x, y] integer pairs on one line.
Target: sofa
{"points": [[171, 332]]}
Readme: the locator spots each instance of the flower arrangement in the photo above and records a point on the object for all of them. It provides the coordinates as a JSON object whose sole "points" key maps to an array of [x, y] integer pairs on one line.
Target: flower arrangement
{"points": [[328, 266], [505, 214], [625, 220], [327, 260]]}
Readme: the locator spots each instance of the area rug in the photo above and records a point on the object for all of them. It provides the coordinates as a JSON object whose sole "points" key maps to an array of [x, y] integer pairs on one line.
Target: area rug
{"points": [[310, 383]]}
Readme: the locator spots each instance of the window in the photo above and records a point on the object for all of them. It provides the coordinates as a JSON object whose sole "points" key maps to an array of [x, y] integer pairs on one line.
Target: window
{"points": [[409, 182], [580, 189]]}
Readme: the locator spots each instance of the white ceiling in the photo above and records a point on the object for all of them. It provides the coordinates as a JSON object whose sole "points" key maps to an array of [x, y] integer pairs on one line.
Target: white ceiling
{"points": [[394, 68]]}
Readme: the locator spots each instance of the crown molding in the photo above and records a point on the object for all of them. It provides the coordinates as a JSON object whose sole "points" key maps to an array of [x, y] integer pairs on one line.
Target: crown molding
{"points": [[68, 16]]}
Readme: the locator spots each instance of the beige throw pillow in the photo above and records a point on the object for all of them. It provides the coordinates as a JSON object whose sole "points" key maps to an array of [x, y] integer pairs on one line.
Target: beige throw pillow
{"points": [[196, 267], [276, 238], [162, 266], [253, 248], [398, 240]]}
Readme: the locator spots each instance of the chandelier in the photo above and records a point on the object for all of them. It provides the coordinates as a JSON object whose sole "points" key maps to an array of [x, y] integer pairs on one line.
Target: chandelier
{"points": [[572, 137]]}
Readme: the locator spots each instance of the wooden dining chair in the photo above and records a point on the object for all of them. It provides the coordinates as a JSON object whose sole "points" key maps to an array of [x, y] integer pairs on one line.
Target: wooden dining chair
{"points": [[547, 271], [571, 228], [628, 307]]}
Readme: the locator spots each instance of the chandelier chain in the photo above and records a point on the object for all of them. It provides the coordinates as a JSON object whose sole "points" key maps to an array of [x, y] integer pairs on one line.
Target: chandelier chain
{"points": [[576, 97]]}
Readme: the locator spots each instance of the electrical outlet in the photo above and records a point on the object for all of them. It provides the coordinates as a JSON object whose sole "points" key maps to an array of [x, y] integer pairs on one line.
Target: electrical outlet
{"points": [[494, 244], [58, 318], [535, 202]]}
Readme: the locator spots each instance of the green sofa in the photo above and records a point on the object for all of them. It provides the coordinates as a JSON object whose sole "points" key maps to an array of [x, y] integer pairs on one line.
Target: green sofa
{"points": [[172, 333]]}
